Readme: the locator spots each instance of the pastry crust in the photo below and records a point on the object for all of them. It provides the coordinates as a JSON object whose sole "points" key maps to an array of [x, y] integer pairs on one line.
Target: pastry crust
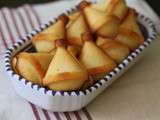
{"points": [[65, 67], [30, 66], [14, 64], [109, 28], [76, 29], [116, 50], [95, 60], [74, 50], [102, 69], [68, 85], [88, 83], [117, 8], [45, 41], [95, 18], [129, 32], [65, 76], [99, 21]]}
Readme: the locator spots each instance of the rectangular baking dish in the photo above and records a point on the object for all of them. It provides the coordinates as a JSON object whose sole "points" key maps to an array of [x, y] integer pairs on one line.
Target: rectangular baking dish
{"points": [[74, 100]]}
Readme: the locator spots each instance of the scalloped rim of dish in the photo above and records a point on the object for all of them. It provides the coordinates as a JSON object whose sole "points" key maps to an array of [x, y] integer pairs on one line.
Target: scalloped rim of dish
{"points": [[9, 54]]}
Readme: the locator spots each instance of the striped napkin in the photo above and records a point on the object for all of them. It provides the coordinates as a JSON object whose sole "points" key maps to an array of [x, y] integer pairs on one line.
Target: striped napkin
{"points": [[16, 23]]}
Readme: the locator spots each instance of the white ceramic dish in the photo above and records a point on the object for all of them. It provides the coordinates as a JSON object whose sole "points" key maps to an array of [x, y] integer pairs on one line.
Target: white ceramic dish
{"points": [[70, 101]]}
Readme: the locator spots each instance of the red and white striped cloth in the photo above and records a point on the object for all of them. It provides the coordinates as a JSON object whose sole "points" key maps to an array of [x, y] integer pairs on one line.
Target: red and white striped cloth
{"points": [[14, 24]]}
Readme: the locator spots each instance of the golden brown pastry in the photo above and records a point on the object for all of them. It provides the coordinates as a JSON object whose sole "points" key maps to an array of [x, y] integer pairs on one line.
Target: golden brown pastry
{"points": [[65, 73], [100, 22], [32, 66], [114, 49], [72, 17], [74, 50], [109, 28], [94, 59], [101, 5], [117, 8], [45, 41], [14, 63], [76, 28], [129, 32], [95, 18], [88, 83]]}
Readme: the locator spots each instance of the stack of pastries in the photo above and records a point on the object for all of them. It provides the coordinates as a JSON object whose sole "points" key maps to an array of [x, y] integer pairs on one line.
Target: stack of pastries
{"points": [[81, 48]]}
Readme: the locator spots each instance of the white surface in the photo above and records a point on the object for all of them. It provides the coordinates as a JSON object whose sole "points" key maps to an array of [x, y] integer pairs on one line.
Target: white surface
{"points": [[12, 107]]}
